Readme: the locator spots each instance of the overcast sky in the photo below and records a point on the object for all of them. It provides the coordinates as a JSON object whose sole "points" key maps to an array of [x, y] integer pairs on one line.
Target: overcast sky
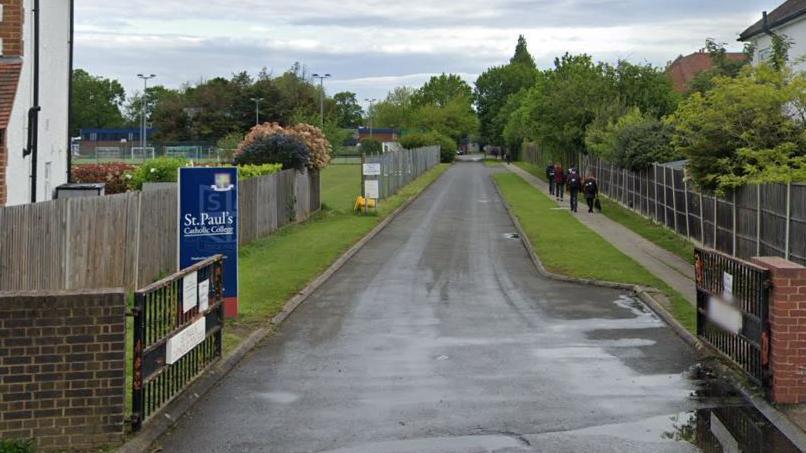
{"points": [[371, 46]]}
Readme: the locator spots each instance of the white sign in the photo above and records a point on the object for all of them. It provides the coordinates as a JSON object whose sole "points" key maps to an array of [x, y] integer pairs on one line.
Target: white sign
{"points": [[183, 342], [190, 292], [204, 296], [372, 169], [725, 315], [371, 189], [727, 284]]}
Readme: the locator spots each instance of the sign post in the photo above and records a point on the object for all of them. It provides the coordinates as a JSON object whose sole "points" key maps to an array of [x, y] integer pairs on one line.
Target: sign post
{"points": [[208, 224], [370, 187]]}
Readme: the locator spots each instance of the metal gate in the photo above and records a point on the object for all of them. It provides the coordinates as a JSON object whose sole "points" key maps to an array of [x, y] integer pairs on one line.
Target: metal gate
{"points": [[177, 335], [733, 309]]}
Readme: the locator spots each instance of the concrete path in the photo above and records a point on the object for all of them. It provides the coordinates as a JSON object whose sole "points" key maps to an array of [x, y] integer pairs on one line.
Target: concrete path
{"points": [[665, 265], [440, 336]]}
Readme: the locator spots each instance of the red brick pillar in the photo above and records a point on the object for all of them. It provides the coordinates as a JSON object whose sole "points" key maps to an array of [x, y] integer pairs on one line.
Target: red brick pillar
{"points": [[787, 329]]}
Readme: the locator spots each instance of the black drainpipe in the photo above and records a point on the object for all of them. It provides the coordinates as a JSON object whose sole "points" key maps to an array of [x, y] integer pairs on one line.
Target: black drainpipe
{"points": [[33, 112], [765, 24], [70, 97]]}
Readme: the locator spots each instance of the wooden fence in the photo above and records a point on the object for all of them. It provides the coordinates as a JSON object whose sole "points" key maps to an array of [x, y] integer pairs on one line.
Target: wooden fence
{"points": [[129, 240], [754, 220]]}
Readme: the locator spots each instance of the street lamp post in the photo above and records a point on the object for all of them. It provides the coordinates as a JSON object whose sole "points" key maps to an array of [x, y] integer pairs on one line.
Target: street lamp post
{"points": [[257, 110], [143, 140], [322, 96], [371, 103]]}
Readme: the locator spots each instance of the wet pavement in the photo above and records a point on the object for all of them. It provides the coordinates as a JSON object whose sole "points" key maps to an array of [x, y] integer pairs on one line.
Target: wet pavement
{"points": [[440, 336]]}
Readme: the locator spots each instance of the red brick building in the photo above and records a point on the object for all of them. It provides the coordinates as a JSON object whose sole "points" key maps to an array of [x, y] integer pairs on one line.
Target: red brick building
{"points": [[10, 67], [684, 69]]}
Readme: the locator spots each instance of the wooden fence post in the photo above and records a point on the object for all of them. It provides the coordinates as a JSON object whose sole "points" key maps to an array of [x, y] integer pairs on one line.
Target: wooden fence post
{"points": [[733, 230], [685, 199], [674, 201], [758, 219], [787, 248]]}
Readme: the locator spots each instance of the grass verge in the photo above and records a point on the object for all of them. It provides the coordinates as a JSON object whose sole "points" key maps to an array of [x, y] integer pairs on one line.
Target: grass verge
{"points": [[553, 232], [646, 228]]}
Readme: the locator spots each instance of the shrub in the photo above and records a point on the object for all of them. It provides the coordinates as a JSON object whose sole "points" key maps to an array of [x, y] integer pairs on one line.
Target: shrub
{"points": [[229, 143], [418, 140], [318, 147], [161, 169], [276, 148], [371, 146], [641, 144], [252, 171], [17, 446], [116, 176], [317, 143]]}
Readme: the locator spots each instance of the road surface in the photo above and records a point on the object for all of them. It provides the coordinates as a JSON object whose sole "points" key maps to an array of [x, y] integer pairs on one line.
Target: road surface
{"points": [[440, 336]]}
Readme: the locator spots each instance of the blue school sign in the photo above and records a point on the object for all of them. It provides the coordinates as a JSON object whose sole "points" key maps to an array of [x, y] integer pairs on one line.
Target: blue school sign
{"points": [[208, 223]]}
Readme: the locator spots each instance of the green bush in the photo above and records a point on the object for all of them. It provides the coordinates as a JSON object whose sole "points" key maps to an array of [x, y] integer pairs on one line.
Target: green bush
{"points": [[17, 446], [252, 171], [371, 146], [420, 139], [161, 169], [283, 149]]}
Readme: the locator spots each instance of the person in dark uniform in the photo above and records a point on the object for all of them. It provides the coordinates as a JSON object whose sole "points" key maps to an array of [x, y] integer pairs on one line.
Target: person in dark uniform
{"points": [[559, 182], [574, 183], [550, 177], [591, 190]]}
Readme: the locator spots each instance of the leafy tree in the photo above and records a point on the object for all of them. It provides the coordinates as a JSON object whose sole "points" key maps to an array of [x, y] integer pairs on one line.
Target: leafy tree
{"points": [[96, 102], [732, 131], [495, 85], [371, 146], [395, 111], [722, 66], [644, 86], [522, 55], [644, 142], [456, 119], [601, 137], [347, 111], [441, 91]]}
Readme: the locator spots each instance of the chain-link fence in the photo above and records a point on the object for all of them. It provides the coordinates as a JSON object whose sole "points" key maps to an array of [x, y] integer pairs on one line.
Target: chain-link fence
{"points": [[132, 152], [399, 168]]}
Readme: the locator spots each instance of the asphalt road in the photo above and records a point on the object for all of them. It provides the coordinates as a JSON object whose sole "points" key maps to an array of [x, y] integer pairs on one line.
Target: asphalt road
{"points": [[440, 336]]}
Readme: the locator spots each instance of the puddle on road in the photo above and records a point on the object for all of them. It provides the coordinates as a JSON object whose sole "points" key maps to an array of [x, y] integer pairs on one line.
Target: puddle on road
{"points": [[725, 423]]}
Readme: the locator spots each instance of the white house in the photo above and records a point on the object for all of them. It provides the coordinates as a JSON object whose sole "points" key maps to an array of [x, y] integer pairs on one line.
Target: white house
{"points": [[789, 19], [44, 139]]}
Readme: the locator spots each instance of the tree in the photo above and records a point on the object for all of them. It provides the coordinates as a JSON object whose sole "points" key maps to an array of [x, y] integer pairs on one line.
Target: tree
{"points": [[642, 143], [441, 90], [721, 65], [395, 111], [496, 85], [601, 136], [347, 111], [732, 132], [522, 55], [646, 87], [96, 102]]}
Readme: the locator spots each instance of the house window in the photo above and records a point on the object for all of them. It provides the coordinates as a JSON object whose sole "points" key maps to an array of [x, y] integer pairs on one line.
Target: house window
{"points": [[764, 54]]}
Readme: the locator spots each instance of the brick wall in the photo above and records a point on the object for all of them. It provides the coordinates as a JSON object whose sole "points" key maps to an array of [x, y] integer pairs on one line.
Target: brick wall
{"points": [[787, 330], [62, 368], [3, 164], [11, 27]]}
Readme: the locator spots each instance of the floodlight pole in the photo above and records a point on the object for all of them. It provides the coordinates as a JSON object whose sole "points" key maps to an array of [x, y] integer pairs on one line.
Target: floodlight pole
{"points": [[143, 140], [257, 110], [371, 103], [322, 96]]}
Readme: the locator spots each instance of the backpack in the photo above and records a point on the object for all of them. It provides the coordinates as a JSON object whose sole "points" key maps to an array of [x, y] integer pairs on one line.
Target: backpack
{"points": [[573, 181]]}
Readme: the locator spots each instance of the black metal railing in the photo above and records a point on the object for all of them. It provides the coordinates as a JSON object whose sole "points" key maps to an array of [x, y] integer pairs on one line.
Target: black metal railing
{"points": [[175, 339], [746, 345]]}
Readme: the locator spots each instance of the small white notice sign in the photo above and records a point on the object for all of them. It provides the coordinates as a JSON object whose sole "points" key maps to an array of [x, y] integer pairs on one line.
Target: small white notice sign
{"points": [[372, 169], [190, 292], [727, 285], [204, 296], [371, 189], [183, 342]]}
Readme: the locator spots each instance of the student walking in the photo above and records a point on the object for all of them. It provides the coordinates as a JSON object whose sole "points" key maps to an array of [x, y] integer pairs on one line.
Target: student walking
{"points": [[574, 184], [550, 177], [559, 182], [591, 190]]}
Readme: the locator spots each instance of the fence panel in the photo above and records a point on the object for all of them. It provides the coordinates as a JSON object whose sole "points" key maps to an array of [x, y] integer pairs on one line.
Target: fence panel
{"points": [[747, 217], [128, 240], [773, 220]]}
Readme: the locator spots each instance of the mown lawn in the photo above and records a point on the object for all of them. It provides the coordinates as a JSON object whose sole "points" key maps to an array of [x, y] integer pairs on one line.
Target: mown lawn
{"points": [[568, 247], [649, 230]]}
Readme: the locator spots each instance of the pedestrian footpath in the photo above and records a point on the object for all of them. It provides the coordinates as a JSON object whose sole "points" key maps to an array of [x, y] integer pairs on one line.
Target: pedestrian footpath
{"points": [[665, 265]]}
